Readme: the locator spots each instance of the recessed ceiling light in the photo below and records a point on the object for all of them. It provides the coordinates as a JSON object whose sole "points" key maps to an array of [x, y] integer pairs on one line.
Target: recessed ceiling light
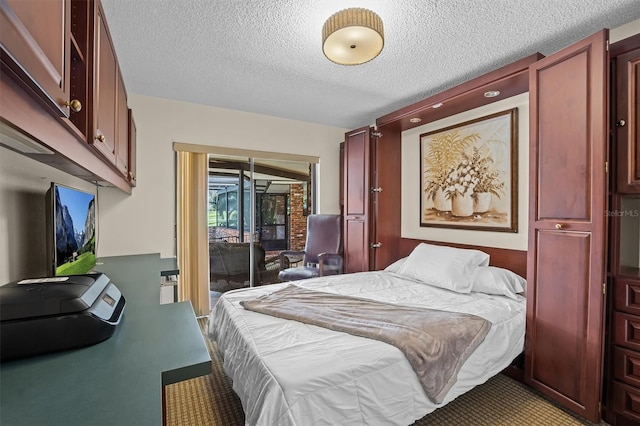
{"points": [[491, 93], [438, 105], [415, 119]]}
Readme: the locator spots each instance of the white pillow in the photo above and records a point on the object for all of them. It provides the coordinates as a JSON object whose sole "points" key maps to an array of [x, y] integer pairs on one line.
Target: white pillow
{"points": [[446, 267], [494, 280], [395, 266]]}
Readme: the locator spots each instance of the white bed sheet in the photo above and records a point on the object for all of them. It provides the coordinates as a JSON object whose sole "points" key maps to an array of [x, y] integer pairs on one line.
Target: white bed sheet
{"points": [[289, 373]]}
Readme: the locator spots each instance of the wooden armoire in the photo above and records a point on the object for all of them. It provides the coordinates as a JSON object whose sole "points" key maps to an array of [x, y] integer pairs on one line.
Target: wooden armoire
{"points": [[583, 260]]}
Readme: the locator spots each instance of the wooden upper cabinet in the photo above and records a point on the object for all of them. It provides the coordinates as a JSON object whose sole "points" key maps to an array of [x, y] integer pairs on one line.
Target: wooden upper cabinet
{"points": [[105, 88], [122, 125], [626, 117], [566, 263], [35, 37], [356, 181]]}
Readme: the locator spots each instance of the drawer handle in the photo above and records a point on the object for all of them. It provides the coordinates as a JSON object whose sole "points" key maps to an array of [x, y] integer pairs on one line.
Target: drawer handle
{"points": [[75, 105], [101, 138], [559, 226]]}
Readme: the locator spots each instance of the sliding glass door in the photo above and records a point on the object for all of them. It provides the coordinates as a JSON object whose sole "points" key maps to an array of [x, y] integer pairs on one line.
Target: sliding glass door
{"points": [[253, 205]]}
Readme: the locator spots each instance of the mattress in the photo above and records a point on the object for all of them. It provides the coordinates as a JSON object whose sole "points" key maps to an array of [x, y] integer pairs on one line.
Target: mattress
{"points": [[289, 373]]}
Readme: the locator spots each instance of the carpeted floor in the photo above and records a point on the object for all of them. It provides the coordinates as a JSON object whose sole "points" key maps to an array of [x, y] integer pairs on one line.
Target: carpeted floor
{"points": [[210, 400]]}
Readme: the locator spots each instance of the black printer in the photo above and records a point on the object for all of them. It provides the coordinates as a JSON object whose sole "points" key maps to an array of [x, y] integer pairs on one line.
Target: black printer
{"points": [[43, 315]]}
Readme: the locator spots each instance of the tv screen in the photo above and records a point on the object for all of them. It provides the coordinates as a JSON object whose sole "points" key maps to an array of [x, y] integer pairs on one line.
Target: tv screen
{"points": [[71, 225]]}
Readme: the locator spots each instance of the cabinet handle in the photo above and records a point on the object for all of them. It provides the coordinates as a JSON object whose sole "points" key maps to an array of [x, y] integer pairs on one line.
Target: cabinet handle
{"points": [[130, 176], [376, 189], [375, 245], [101, 138], [75, 105], [559, 226], [620, 123]]}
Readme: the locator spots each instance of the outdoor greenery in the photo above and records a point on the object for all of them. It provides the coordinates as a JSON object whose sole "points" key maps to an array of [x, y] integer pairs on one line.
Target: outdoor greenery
{"points": [[81, 265]]}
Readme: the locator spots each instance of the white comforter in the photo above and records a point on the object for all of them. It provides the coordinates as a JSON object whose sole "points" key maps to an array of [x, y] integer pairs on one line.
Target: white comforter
{"points": [[289, 373]]}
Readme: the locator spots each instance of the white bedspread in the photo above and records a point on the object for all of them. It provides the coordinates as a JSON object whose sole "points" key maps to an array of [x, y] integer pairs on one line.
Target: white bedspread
{"points": [[290, 373]]}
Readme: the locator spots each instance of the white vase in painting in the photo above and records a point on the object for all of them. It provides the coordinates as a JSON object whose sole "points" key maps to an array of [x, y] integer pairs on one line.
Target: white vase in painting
{"points": [[441, 202], [481, 202], [462, 205]]}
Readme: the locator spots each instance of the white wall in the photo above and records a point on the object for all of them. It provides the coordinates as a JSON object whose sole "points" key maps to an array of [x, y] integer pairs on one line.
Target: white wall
{"points": [[144, 222], [23, 184], [624, 31], [410, 226]]}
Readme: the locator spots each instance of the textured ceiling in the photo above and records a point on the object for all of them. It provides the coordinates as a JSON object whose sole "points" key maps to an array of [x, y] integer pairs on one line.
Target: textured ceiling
{"points": [[266, 56]]}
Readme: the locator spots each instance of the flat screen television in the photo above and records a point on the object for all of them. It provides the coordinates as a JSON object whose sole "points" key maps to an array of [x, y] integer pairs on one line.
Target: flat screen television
{"points": [[71, 230]]}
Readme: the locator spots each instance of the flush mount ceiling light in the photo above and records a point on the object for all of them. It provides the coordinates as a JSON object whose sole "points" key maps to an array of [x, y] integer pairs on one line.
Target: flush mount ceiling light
{"points": [[352, 36]]}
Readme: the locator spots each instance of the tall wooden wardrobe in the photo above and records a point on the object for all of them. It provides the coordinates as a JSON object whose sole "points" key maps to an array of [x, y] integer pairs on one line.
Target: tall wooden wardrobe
{"points": [[582, 264], [622, 391]]}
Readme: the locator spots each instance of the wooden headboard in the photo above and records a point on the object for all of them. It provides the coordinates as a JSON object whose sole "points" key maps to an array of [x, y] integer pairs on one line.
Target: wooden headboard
{"points": [[514, 260]]}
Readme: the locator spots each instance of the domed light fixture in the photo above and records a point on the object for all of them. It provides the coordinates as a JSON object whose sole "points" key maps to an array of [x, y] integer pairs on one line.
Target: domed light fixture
{"points": [[352, 36]]}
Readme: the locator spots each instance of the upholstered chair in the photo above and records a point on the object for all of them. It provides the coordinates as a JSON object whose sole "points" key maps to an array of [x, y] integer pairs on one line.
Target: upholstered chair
{"points": [[322, 254]]}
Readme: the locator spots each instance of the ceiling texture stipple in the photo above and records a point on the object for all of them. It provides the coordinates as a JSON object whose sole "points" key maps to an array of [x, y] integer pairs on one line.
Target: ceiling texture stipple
{"points": [[266, 57]]}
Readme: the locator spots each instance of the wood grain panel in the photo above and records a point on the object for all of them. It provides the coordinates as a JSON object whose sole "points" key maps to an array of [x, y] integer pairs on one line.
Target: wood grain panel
{"points": [[386, 204], [105, 88], [24, 112], [627, 295], [564, 192], [357, 166], [356, 258], [36, 46], [626, 366], [627, 110], [560, 308], [122, 128], [626, 400], [626, 330], [568, 151]]}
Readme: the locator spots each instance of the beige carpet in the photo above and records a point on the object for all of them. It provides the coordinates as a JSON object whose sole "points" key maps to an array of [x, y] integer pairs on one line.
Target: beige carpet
{"points": [[210, 400]]}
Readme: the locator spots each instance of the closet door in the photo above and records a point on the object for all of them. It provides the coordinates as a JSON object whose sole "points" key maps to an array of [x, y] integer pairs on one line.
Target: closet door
{"points": [[566, 262], [357, 190]]}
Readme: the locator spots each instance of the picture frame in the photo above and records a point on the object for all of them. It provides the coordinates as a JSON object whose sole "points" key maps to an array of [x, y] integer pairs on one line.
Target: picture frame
{"points": [[469, 174]]}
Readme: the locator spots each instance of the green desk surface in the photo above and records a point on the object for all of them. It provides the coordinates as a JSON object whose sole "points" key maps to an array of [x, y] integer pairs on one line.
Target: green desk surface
{"points": [[117, 382]]}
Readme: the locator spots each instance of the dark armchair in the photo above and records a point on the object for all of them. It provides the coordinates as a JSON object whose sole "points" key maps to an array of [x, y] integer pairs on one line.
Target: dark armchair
{"points": [[322, 254], [229, 266]]}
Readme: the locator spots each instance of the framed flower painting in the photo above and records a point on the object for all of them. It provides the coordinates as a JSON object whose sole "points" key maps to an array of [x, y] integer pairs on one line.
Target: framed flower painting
{"points": [[469, 174]]}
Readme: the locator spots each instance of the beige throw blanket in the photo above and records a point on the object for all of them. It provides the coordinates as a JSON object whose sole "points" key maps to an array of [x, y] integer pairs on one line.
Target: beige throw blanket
{"points": [[436, 343]]}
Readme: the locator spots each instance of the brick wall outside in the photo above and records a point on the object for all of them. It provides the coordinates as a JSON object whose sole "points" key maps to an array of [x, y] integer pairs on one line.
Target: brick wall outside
{"points": [[297, 220]]}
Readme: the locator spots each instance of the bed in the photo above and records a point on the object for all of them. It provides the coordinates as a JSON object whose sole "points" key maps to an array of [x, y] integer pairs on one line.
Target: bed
{"points": [[291, 373]]}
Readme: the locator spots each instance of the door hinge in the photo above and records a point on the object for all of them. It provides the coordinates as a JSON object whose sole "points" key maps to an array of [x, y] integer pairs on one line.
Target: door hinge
{"points": [[606, 167], [375, 245], [376, 134], [606, 46], [604, 288], [378, 189]]}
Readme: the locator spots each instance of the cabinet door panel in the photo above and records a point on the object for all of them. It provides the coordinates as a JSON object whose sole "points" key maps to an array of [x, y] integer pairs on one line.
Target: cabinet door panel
{"points": [[627, 295], [36, 46], [564, 192], [122, 125], [627, 366], [560, 294], [628, 110], [567, 227], [357, 158], [105, 89]]}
